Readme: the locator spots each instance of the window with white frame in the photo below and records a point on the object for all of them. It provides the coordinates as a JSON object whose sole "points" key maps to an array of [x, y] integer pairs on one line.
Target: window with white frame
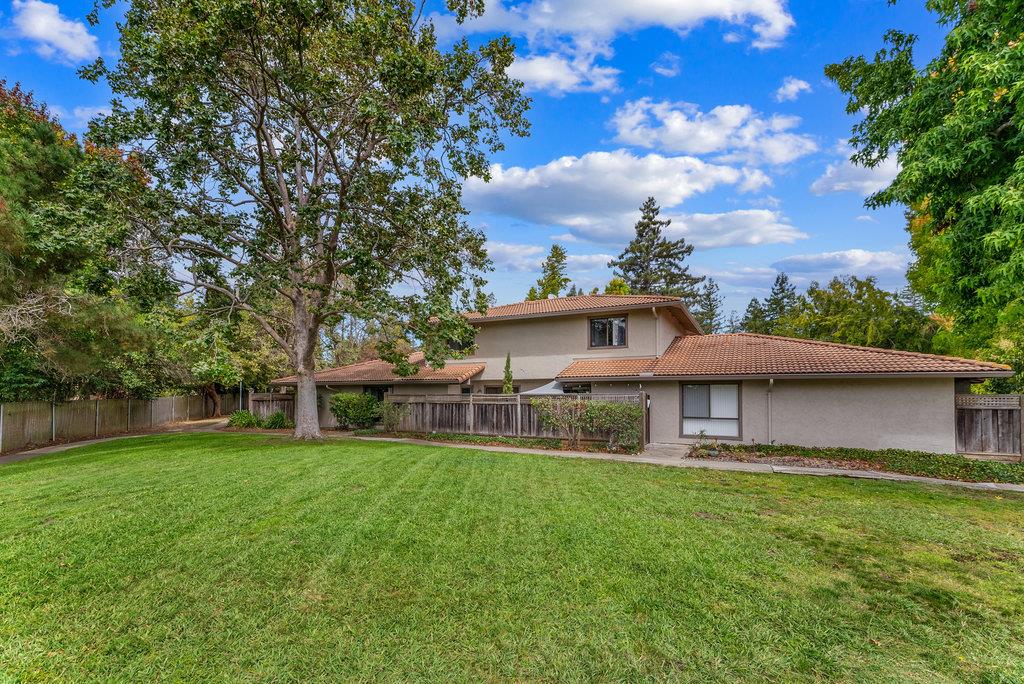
{"points": [[711, 409]]}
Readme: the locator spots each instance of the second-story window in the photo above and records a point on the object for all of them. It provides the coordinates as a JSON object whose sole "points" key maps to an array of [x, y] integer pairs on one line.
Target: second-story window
{"points": [[608, 332]]}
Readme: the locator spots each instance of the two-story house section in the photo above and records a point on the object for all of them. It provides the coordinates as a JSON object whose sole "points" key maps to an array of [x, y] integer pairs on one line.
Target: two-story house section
{"points": [[733, 387]]}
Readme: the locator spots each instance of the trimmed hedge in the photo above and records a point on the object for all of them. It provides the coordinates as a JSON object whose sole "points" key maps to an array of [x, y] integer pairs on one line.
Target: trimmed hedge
{"points": [[944, 466], [355, 410]]}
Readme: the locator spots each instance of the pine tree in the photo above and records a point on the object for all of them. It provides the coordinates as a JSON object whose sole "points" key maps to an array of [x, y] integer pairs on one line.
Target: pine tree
{"points": [[573, 291], [653, 264], [532, 295], [734, 323], [754, 319], [616, 286], [780, 302], [553, 279], [707, 307], [506, 384]]}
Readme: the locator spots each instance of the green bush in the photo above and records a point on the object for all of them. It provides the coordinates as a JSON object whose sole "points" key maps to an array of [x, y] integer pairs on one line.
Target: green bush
{"points": [[944, 466], [622, 422], [278, 420], [355, 410], [244, 419], [391, 416]]}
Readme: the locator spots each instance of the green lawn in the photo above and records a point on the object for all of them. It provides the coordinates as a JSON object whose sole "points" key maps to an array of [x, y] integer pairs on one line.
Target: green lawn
{"points": [[248, 557]]}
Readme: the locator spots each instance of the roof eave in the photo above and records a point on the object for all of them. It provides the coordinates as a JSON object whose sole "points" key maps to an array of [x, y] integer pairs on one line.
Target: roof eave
{"points": [[579, 312], [789, 376]]}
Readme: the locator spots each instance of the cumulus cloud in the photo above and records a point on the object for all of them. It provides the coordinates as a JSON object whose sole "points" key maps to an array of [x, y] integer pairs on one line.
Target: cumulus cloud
{"points": [[845, 176], [667, 65], [55, 36], [733, 228], [560, 73], [791, 88], [733, 132], [519, 257], [858, 262], [588, 27], [595, 197]]}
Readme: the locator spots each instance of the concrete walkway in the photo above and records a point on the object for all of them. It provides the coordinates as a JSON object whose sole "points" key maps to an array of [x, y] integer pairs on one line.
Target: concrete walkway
{"points": [[207, 425], [675, 456]]}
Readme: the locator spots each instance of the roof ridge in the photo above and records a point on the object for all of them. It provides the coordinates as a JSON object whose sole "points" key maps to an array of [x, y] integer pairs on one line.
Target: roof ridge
{"points": [[860, 347]]}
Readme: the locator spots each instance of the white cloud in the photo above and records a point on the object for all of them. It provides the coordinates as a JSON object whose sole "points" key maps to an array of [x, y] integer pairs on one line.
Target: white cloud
{"points": [[845, 176], [734, 132], [55, 36], [520, 257], [867, 219], [732, 228], [587, 28], [515, 257], [791, 88], [858, 262], [667, 65], [740, 278], [559, 73], [587, 262], [596, 196]]}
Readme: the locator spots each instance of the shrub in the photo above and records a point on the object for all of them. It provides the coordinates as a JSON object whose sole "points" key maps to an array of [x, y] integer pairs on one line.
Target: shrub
{"points": [[622, 422], [391, 416], [567, 416], [278, 421], [244, 419], [355, 410]]}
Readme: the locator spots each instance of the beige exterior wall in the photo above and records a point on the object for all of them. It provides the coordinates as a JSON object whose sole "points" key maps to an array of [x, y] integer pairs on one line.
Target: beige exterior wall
{"points": [[542, 347], [912, 413]]}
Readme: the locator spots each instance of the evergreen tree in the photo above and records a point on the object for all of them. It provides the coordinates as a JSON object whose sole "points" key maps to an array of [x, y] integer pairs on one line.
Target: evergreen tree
{"points": [[653, 264], [734, 323], [553, 279], [616, 286], [754, 320], [506, 384], [780, 302], [532, 295], [573, 291], [707, 307]]}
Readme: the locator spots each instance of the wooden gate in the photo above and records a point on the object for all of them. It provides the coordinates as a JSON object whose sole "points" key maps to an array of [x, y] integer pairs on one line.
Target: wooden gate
{"points": [[989, 424]]}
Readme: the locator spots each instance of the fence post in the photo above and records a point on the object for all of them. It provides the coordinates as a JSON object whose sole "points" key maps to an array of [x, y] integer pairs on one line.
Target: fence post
{"points": [[519, 415], [188, 408], [471, 411], [1, 428], [53, 421], [152, 402], [128, 419], [96, 419]]}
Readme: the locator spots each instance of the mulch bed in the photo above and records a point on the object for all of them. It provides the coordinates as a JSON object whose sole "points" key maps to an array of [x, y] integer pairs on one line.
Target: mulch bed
{"points": [[800, 461]]}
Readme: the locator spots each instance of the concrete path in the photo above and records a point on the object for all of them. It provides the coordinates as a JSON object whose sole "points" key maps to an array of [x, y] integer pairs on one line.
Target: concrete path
{"points": [[208, 425], [675, 456]]}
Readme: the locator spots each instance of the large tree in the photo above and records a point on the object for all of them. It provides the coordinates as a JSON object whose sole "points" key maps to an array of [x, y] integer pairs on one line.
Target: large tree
{"points": [[707, 308], [957, 130], [654, 264], [312, 153]]}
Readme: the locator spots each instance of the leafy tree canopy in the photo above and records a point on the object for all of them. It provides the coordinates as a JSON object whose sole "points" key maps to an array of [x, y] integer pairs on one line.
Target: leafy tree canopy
{"points": [[312, 153], [616, 286], [956, 129]]}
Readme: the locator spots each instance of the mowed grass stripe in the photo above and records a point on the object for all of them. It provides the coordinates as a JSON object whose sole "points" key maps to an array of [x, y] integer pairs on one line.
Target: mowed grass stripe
{"points": [[244, 557]]}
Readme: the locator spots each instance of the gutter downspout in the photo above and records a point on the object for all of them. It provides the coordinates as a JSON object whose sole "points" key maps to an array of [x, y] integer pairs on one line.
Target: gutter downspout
{"points": [[771, 385], [657, 332]]}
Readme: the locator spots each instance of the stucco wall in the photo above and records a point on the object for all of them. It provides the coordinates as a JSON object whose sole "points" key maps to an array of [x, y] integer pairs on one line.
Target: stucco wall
{"points": [[543, 347], [871, 413]]}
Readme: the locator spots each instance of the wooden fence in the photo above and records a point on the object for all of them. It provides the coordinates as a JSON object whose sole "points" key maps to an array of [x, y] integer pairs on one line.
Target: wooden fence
{"points": [[35, 423], [503, 415], [990, 424], [264, 403]]}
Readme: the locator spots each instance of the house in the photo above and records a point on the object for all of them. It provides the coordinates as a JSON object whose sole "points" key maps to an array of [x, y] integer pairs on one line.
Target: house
{"points": [[739, 387]]}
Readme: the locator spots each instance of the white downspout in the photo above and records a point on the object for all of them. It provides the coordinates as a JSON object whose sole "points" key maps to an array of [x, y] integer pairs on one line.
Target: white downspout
{"points": [[771, 385]]}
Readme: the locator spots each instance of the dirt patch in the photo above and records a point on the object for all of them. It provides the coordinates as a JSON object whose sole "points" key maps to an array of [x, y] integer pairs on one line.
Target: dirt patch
{"points": [[800, 461]]}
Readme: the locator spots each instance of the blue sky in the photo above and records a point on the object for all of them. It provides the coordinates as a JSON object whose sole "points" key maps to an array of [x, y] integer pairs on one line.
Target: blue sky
{"points": [[718, 108]]}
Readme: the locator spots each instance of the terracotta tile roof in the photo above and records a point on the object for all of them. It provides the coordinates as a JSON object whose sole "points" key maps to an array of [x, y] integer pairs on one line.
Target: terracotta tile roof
{"points": [[382, 372], [560, 305], [748, 354], [607, 368]]}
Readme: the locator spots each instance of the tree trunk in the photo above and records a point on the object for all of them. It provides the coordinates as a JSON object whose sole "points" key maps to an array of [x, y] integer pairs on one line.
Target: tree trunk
{"points": [[307, 422], [211, 392]]}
